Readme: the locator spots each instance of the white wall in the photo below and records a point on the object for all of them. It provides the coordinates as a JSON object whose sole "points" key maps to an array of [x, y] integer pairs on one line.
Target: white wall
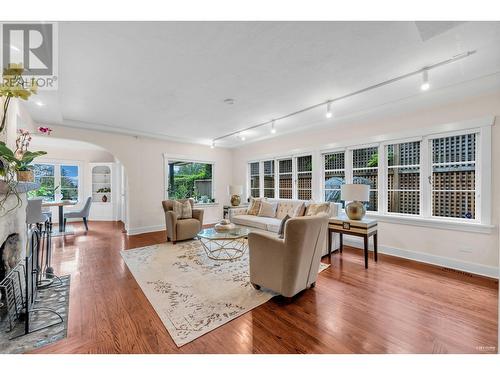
{"points": [[142, 159], [473, 252], [81, 154]]}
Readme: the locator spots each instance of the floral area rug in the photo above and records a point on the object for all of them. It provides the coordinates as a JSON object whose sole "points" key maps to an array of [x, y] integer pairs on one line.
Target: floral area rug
{"points": [[191, 293]]}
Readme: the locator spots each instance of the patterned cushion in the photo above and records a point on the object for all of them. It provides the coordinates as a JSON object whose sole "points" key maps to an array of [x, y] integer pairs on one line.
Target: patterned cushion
{"points": [[281, 231], [254, 207], [183, 210], [292, 208], [317, 208]]}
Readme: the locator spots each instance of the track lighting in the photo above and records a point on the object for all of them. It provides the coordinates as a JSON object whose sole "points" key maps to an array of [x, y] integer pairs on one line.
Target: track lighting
{"points": [[212, 145], [273, 129], [425, 81], [329, 113]]}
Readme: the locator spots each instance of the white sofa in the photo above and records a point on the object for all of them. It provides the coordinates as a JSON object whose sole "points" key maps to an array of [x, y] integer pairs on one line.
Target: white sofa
{"points": [[285, 207]]}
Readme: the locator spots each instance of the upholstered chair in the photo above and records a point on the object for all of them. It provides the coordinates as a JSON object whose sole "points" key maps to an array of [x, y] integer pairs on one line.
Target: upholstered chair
{"points": [[81, 214], [181, 229], [290, 265]]}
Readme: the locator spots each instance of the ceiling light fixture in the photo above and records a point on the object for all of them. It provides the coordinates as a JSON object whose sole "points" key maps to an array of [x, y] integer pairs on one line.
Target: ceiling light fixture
{"points": [[425, 85], [241, 136], [329, 113], [39, 103], [273, 129], [425, 81], [212, 145]]}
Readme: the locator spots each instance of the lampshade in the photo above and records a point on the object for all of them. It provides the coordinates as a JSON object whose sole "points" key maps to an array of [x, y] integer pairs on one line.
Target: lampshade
{"points": [[235, 189], [355, 192]]}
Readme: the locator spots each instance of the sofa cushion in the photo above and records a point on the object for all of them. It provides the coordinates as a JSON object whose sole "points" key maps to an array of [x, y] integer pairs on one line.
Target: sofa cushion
{"points": [[317, 208], [271, 224], [267, 209], [254, 207], [291, 208], [187, 228], [250, 221]]}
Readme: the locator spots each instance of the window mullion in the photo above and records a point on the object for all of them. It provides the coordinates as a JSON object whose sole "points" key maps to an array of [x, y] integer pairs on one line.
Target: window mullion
{"points": [[425, 178], [382, 179]]}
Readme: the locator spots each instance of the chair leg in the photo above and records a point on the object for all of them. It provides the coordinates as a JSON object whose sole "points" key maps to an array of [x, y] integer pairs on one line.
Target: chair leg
{"points": [[256, 286], [313, 285], [86, 224], [64, 225]]}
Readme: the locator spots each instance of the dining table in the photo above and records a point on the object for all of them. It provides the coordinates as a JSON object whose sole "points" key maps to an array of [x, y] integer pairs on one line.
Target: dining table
{"points": [[60, 205]]}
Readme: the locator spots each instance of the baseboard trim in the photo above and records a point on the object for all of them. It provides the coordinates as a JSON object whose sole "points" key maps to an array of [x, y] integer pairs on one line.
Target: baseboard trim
{"points": [[436, 260], [152, 228], [148, 229]]}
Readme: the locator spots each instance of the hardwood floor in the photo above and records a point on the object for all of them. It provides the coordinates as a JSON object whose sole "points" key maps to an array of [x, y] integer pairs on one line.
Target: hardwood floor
{"points": [[396, 306]]}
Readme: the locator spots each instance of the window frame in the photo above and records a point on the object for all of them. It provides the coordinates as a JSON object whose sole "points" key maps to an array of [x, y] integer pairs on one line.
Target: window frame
{"points": [[482, 126], [182, 158], [323, 188], [57, 164], [385, 173]]}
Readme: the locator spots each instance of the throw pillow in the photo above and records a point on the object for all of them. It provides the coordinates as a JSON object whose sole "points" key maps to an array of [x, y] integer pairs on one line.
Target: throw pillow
{"points": [[254, 207], [267, 209], [183, 210], [317, 208], [299, 211], [281, 231]]}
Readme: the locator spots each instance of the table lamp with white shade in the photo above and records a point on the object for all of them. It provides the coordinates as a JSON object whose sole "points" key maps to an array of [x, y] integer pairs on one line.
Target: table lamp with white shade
{"points": [[235, 192], [355, 194]]}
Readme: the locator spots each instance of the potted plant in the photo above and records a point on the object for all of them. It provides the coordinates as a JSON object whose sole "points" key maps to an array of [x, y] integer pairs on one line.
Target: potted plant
{"points": [[20, 159]]}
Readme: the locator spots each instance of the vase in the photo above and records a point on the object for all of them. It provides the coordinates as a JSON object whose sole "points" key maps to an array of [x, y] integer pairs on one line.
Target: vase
{"points": [[104, 198], [25, 176], [235, 200]]}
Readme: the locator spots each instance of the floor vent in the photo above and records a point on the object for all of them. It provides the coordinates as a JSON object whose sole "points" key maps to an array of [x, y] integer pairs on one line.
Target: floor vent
{"points": [[463, 273]]}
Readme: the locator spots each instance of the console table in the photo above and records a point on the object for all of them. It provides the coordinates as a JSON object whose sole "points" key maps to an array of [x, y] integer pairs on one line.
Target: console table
{"points": [[361, 228], [227, 208]]}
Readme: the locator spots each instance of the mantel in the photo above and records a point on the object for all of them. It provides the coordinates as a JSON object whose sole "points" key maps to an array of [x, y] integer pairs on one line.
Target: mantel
{"points": [[20, 187]]}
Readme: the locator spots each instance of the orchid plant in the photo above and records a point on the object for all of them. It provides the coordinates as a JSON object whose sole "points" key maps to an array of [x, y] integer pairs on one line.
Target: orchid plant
{"points": [[13, 85]]}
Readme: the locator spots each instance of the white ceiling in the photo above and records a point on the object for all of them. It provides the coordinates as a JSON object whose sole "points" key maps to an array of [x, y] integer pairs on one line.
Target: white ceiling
{"points": [[169, 79]]}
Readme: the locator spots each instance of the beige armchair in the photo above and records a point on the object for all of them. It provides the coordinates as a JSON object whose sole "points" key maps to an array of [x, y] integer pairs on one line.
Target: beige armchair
{"points": [[181, 229], [290, 265]]}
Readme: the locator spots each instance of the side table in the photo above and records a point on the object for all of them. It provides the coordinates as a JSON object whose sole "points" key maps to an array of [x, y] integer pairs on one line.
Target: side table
{"points": [[361, 228], [225, 211]]}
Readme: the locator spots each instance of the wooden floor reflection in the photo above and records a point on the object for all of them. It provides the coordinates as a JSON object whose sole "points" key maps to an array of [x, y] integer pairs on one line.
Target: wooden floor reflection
{"points": [[396, 306]]}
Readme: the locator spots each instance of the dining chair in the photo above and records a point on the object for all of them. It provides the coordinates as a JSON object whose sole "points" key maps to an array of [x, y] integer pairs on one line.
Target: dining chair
{"points": [[34, 214], [83, 213]]}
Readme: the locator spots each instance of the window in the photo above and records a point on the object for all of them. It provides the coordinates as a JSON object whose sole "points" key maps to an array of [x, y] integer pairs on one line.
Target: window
{"points": [[285, 178], [403, 178], [365, 171], [45, 176], [304, 177], [69, 182], [187, 179], [269, 178], [55, 179], [454, 176], [334, 167], [254, 180]]}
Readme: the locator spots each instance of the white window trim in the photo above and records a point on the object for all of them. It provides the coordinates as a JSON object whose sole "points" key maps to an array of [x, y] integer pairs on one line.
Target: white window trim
{"points": [[57, 173], [482, 223], [187, 159]]}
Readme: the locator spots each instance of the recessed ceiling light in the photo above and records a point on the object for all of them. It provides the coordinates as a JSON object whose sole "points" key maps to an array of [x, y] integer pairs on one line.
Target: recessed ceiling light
{"points": [[229, 101], [39, 103]]}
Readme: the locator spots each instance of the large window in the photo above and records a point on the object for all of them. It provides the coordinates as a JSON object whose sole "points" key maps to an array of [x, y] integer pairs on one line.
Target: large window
{"points": [[255, 179], [285, 177], [187, 179], [55, 180], [365, 171], [454, 176], [304, 177], [268, 178], [403, 178], [334, 168]]}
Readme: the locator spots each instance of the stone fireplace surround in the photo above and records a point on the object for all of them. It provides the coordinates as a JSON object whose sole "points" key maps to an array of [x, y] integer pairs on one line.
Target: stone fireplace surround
{"points": [[13, 225]]}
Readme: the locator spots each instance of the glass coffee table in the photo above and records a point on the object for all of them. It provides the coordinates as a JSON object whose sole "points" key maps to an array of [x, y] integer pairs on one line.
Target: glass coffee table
{"points": [[226, 245]]}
